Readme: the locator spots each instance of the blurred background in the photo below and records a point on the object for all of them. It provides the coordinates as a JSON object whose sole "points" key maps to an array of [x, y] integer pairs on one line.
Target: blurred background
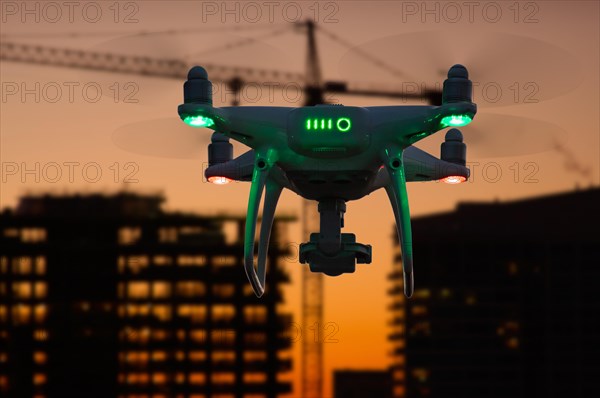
{"points": [[120, 265]]}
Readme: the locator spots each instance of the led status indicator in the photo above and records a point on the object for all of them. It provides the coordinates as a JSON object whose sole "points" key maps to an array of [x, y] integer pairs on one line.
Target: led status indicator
{"points": [[456, 120], [342, 124], [199, 121]]}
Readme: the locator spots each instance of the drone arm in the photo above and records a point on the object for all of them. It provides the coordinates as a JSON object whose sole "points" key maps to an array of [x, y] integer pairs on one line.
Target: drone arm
{"points": [[396, 190], [405, 125], [260, 178]]}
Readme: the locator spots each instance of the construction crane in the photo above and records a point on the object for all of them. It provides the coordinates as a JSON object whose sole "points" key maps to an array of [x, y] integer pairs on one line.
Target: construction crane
{"points": [[236, 77]]}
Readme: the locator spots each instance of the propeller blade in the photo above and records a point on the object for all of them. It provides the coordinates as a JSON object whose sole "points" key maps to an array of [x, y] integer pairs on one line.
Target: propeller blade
{"points": [[505, 69], [495, 135], [160, 56], [166, 138]]}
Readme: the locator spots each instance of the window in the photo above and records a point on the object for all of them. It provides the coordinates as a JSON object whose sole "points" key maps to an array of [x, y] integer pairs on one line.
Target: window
{"points": [[223, 312], [129, 235], [190, 289], [138, 290]]}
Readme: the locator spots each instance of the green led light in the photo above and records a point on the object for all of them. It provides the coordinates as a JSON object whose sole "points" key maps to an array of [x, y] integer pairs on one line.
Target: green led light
{"points": [[456, 120], [199, 121], [344, 124]]}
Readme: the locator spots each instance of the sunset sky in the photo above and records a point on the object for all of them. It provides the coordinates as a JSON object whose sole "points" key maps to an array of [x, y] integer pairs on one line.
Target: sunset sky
{"points": [[553, 44]]}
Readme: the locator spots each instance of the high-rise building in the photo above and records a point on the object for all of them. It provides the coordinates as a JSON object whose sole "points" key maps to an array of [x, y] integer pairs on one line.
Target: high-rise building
{"points": [[507, 301], [110, 296]]}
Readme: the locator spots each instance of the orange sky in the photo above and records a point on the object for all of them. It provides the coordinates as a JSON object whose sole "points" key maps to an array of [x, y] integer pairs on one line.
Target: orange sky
{"points": [[76, 130]]}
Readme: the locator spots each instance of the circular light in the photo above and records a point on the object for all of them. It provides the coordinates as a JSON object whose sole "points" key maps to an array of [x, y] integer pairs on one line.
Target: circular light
{"points": [[456, 120], [199, 121], [219, 180], [454, 179], [344, 124]]}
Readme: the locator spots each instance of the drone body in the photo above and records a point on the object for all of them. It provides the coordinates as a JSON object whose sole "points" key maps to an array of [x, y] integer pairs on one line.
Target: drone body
{"points": [[331, 154]]}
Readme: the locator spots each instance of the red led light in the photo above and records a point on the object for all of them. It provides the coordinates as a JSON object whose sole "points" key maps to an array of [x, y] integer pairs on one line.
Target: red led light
{"points": [[454, 179], [219, 180]]}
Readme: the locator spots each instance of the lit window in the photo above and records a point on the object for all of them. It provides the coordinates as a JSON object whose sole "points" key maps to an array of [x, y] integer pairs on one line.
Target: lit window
{"points": [[223, 312], [197, 313], [167, 235], [198, 335], [420, 374], [160, 335], [39, 357], [224, 291], [40, 289], [224, 260], [197, 378], [223, 336], [11, 233], [223, 356], [138, 290], [223, 377], [159, 356], [161, 289], [197, 356], [159, 378], [255, 377], [40, 334], [255, 314], [419, 310], [190, 289], [39, 313], [422, 293], [185, 261], [39, 378], [162, 312], [256, 338], [129, 235], [40, 265], [512, 343], [21, 314], [22, 265], [162, 260], [33, 235], [250, 356]]}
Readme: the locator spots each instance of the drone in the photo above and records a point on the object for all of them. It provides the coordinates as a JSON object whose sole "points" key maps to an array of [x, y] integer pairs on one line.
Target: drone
{"points": [[331, 154]]}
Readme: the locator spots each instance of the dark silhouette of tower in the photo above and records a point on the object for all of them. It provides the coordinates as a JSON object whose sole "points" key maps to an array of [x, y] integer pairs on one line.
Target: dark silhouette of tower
{"points": [[106, 296], [507, 302]]}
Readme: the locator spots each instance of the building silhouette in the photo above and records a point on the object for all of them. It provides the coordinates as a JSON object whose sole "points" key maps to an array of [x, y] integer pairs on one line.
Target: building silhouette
{"points": [[507, 301], [362, 383], [109, 296]]}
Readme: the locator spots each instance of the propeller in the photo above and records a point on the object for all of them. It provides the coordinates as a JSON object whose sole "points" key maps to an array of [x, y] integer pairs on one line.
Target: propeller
{"points": [[177, 51], [497, 135], [165, 138], [506, 69]]}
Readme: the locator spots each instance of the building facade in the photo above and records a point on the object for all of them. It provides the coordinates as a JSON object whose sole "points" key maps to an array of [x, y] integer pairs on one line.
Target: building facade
{"points": [[506, 301], [109, 296]]}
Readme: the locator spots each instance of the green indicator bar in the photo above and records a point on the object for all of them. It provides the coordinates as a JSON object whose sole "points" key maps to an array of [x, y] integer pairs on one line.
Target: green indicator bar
{"points": [[329, 124], [323, 124], [315, 123], [308, 124]]}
